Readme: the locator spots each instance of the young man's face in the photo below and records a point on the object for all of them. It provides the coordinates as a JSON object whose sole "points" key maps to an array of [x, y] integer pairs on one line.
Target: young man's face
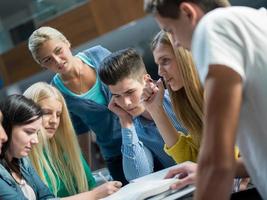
{"points": [[127, 94], [180, 30]]}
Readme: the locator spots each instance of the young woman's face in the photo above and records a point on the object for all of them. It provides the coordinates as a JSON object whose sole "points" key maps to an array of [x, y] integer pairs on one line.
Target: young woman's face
{"points": [[55, 55], [24, 137], [127, 94], [3, 136], [167, 66], [52, 109]]}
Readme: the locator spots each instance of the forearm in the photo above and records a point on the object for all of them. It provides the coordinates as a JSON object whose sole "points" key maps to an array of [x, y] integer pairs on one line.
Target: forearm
{"points": [[137, 159], [214, 177], [168, 132], [216, 159], [217, 164]]}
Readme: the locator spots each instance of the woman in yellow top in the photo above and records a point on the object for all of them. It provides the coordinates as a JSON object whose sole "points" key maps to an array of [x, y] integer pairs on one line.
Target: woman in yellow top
{"points": [[177, 68], [180, 76]]}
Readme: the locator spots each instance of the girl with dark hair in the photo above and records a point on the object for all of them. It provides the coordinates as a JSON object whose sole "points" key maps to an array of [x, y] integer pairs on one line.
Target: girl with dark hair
{"points": [[21, 122]]}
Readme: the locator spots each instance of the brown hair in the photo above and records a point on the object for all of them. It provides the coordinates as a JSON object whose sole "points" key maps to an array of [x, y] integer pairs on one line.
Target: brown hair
{"points": [[169, 8], [126, 63], [60, 156], [188, 101]]}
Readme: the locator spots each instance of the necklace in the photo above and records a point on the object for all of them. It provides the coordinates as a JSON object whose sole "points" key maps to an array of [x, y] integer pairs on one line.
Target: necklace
{"points": [[71, 84]]}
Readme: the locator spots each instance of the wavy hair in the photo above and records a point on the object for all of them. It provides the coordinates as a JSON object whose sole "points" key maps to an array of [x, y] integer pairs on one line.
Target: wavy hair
{"points": [[17, 110], [188, 101]]}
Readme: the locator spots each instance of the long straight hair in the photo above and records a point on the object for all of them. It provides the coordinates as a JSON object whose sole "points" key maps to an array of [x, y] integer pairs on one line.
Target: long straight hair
{"points": [[61, 151], [17, 111], [188, 101]]}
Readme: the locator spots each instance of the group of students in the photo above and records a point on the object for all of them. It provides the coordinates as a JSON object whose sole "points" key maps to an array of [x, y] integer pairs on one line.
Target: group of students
{"points": [[229, 49], [106, 94], [140, 127]]}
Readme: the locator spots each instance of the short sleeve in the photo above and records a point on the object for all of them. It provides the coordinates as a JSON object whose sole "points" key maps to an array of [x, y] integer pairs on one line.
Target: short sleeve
{"points": [[218, 40]]}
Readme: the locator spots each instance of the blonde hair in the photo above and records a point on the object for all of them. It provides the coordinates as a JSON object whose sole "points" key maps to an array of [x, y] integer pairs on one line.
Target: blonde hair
{"points": [[62, 151], [188, 101], [40, 36]]}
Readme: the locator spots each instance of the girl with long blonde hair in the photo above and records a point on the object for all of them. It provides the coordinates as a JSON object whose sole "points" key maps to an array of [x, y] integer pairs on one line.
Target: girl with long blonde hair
{"points": [[177, 68], [58, 159]]}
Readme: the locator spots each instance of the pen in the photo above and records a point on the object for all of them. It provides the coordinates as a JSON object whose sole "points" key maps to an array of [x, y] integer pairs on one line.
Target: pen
{"points": [[103, 177]]}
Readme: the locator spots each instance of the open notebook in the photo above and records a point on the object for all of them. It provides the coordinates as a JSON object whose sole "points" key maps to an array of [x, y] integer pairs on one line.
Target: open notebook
{"points": [[152, 189]]}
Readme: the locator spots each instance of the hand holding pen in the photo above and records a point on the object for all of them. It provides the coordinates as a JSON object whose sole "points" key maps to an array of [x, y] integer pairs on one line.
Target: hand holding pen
{"points": [[107, 188], [102, 177]]}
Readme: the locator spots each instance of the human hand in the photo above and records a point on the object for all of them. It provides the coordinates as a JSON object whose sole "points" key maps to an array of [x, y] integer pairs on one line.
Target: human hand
{"points": [[125, 117], [106, 189], [152, 96], [186, 174]]}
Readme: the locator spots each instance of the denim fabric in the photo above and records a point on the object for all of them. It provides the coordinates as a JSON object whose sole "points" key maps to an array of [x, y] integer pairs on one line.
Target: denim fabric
{"points": [[9, 188], [88, 115]]}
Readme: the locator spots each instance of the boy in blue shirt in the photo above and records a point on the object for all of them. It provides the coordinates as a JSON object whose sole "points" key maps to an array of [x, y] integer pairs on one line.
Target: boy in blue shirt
{"points": [[142, 148]]}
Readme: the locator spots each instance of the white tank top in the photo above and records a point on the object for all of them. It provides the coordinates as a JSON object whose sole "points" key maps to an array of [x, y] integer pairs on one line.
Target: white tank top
{"points": [[27, 190]]}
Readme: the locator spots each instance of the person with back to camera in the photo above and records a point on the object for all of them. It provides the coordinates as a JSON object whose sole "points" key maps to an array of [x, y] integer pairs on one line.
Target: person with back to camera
{"points": [[177, 68], [229, 48]]}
